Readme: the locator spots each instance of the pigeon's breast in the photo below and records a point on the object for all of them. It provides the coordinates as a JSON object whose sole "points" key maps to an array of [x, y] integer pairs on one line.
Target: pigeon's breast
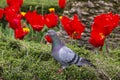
{"points": [[55, 54]]}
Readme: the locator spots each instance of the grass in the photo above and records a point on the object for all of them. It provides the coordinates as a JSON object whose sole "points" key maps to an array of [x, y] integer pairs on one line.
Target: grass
{"points": [[33, 2], [42, 2], [23, 60]]}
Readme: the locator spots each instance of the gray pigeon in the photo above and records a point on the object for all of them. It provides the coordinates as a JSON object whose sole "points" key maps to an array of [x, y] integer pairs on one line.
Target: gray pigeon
{"points": [[64, 55]]}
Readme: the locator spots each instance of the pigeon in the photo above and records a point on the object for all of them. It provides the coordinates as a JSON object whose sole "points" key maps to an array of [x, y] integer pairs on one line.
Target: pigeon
{"points": [[64, 55]]}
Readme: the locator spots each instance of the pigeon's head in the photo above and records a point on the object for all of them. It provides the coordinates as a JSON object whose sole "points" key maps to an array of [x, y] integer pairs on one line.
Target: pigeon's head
{"points": [[50, 35]]}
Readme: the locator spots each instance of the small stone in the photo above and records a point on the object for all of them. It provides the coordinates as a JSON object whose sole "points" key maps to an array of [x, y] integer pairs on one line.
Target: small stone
{"points": [[83, 34], [97, 5], [101, 11], [90, 4], [83, 19], [73, 10], [101, 2], [108, 4], [79, 4], [79, 11], [66, 12], [107, 8], [84, 13], [87, 30], [92, 11], [91, 18], [66, 37]]}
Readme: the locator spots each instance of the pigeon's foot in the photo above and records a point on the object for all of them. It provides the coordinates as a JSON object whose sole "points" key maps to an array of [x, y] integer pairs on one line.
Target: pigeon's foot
{"points": [[60, 70]]}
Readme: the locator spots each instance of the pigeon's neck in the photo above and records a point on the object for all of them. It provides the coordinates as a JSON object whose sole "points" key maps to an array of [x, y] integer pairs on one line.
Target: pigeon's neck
{"points": [[57, 43]]}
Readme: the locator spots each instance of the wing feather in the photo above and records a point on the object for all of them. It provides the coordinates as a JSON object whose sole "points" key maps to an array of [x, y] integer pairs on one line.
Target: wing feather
{"points": [[66, 54]]}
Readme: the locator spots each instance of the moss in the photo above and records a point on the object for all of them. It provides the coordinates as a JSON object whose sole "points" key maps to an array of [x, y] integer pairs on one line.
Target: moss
{"points": [[29, 60]]}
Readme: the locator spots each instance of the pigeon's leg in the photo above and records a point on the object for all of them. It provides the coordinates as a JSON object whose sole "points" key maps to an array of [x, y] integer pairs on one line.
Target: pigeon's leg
{"points": [[60, 70]]}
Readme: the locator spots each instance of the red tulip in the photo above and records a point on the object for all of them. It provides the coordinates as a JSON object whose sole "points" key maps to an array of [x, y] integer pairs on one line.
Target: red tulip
{"points": [[97, 39], [10, 12], [102, 27], [20, 33], [1, 13], [15, 22], [73, 27], [36, 20], [66, 23], [51, 20], [105, 23], [48, 38], [62, 3], [28, 16], [14, 2], [77, 26]]}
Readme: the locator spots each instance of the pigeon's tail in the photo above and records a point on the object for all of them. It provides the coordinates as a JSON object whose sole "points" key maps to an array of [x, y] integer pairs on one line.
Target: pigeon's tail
{"points": [[84, 61]]}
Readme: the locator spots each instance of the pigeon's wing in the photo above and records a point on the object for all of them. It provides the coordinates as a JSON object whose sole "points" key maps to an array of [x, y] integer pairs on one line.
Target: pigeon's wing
{"points": [[67, 56]]}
